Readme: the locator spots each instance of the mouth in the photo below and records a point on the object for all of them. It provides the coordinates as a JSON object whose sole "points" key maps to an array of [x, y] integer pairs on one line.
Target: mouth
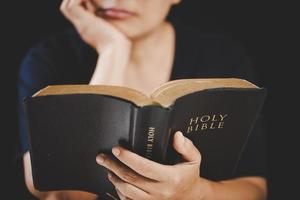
{"points": [[114, 13]]}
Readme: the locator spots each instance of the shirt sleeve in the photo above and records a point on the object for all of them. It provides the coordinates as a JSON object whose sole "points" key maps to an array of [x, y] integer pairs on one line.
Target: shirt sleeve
{"points": [[36, 71], [59, 59]]}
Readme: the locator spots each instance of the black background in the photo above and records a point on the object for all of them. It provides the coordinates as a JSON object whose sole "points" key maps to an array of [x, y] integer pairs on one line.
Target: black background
{"points": [[266, 29]]}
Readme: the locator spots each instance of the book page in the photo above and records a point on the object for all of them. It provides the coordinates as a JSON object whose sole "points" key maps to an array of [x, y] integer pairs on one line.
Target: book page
{"points": [[169, 92], [164, 95], [128, 94]]}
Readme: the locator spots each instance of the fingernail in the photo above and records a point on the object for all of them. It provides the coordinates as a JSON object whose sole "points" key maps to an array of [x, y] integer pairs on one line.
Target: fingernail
{"points": [[179, 133], [100, 159], [116, 151], [181, 137], [109, 175]]}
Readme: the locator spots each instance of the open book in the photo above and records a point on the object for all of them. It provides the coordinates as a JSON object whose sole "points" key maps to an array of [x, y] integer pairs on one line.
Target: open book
{"points": [[69, 125]]}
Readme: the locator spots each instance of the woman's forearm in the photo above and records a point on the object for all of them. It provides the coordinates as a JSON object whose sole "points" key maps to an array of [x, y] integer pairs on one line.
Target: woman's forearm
{"points": [[247, 188], [64, 195], [111, 65], [47, 195]]}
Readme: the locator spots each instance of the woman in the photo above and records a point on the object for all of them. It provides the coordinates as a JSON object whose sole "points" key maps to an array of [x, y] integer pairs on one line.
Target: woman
{"points": [[140, 49]]}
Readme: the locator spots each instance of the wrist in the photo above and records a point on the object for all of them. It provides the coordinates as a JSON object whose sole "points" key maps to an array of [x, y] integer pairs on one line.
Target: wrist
{"points": [[117, 45], [201, 190], [111, 65]]}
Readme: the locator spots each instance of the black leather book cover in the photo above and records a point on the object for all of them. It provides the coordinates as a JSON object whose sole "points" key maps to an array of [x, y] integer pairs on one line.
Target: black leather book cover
{"points": [[219, 122], [68, 131]]}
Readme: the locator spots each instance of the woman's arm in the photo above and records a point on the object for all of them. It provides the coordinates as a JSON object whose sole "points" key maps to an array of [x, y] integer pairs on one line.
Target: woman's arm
{"points": [[245, 188], [138, 178], [114, 48]]}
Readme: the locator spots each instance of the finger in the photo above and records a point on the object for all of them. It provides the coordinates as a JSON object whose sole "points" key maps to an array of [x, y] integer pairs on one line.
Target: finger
{"points": [[121, 196], [142, 166], [80, 17], [75, 11], [186, 148], [63, 5], [90, 6], [76, 8], [126, 189], [76, 3], [125, 173]]}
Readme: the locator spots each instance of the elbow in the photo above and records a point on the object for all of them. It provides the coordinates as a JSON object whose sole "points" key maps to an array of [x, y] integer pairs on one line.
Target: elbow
{"points": [[263, 189], [260, 185], [34, 192], [29, 181]]}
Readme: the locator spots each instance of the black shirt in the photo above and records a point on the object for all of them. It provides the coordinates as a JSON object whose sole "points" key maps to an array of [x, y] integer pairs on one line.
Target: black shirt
{"points": [[65, 59]]}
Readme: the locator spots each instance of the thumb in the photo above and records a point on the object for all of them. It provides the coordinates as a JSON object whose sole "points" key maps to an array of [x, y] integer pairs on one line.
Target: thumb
{"points": [[186, 148]]}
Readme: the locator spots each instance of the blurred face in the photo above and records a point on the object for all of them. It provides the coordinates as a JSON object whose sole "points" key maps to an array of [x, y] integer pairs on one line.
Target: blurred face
{"points": [[134, 18]]}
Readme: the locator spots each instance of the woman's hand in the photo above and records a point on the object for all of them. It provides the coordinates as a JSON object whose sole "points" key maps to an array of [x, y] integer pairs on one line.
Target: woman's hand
{"points": [[93, 29], [138, 178], [113, 46]]}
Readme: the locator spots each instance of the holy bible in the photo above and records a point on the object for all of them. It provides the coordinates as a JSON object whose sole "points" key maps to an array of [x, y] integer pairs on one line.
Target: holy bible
{"points": [[69, 125]]}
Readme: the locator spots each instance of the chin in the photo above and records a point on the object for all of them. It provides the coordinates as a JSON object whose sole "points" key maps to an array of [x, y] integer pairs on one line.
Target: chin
{"points": [[129, 30]]}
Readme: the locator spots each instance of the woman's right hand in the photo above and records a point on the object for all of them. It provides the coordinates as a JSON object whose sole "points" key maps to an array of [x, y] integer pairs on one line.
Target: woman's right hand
{"points": [[93, 29], [108, 41]]}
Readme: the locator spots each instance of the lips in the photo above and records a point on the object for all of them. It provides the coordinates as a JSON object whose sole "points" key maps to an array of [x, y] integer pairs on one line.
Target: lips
{"points": [[115, 13]]}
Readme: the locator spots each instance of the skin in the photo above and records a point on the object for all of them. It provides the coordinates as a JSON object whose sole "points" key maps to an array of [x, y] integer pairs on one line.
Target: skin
{"points": [[132, 50]]}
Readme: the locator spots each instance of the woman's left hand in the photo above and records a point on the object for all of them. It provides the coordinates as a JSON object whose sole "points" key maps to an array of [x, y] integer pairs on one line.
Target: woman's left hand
{"points": [[138, 178]]}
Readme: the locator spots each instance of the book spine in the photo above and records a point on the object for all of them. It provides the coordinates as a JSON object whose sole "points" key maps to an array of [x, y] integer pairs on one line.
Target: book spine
{"points": [[132, 128], [151, 132]]}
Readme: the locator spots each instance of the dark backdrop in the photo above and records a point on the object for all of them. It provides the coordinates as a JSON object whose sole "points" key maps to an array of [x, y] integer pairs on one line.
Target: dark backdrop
{"points": [[264, 28]]}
